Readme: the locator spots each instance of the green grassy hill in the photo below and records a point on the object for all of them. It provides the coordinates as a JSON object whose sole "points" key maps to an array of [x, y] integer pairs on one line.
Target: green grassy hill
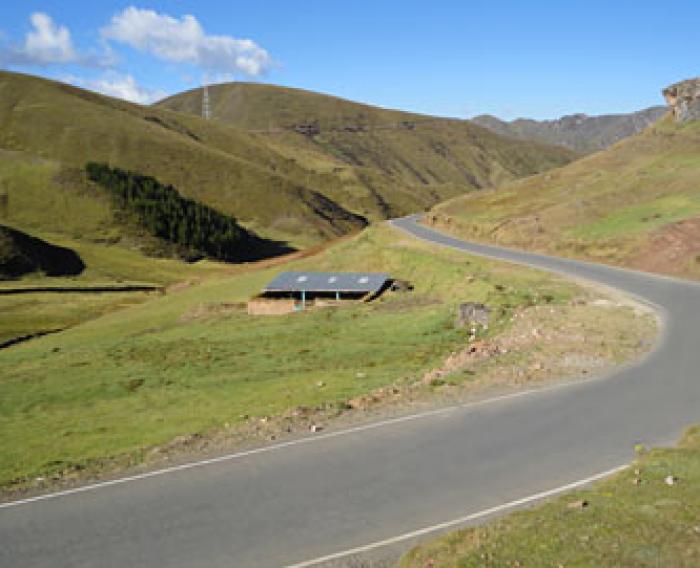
{"points": [[286, 186], [53, 202], [386, 162], [221, 167], [257, 106], [636, 204]]}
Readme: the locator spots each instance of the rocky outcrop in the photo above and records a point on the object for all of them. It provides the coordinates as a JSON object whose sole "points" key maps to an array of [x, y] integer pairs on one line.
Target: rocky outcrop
{"points": [[684, 99]]}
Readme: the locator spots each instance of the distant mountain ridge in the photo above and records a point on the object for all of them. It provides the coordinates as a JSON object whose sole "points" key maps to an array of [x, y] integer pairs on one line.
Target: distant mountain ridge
{"points": [[578, 132]]}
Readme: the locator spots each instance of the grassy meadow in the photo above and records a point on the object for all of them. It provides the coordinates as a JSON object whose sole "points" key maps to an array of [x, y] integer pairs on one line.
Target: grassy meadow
{"points": [[27, 314], [193, 360], [633, 519]]}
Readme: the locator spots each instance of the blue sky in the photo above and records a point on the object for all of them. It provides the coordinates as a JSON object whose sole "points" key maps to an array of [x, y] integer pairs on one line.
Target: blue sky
{"points": [[538, 59]]}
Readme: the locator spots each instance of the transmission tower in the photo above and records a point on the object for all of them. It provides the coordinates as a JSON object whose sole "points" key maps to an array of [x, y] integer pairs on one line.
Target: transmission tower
{"points": [[206, 109]]}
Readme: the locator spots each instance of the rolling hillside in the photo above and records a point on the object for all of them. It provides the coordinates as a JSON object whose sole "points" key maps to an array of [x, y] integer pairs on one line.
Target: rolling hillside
{"points": [[221, 167], [578, 132], [380, 163], [285, 186], [636, 204]]}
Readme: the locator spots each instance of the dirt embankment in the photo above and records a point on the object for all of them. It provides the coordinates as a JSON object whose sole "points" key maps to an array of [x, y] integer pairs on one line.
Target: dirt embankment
{"points": [[587, 337], [673, 249]]}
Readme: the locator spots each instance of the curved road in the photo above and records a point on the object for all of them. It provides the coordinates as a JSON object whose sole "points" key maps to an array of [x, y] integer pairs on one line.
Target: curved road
{"points": [[337, 491]]}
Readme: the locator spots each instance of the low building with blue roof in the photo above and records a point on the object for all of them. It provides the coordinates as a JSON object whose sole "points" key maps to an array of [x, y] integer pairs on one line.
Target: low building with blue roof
{"points": [[295, 291]]}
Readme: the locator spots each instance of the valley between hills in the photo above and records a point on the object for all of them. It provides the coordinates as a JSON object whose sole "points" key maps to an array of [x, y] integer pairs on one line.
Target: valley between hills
{"points": [[99, 180], [131, 238]]}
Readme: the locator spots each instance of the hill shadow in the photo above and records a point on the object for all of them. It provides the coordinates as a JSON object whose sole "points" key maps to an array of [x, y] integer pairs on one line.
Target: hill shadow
{"points": [[21, 254]]}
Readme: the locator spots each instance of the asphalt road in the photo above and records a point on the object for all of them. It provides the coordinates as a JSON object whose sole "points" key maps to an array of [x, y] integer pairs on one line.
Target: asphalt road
{"points": [[340, 491]]}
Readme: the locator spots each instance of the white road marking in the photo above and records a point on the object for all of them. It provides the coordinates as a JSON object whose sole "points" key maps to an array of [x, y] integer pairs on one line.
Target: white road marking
{"points": [[460, 521], [282, 445]]}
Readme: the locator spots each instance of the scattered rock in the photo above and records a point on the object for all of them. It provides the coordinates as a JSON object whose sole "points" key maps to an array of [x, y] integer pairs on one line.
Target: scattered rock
{"points": [[309, 129], [363, 402], [360, 375], [472, 314], [300, 411]]}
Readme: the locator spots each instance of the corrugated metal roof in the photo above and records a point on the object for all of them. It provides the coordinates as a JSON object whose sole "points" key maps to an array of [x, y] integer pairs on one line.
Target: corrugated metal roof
{"points": [[327, 282]]}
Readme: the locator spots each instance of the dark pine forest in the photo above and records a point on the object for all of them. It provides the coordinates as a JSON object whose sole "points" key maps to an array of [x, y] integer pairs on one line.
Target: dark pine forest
{"points": [[166, 214]]}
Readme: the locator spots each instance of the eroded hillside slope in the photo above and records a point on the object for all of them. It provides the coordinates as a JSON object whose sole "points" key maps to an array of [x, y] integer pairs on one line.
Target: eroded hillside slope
{"points": [[636, 204]]}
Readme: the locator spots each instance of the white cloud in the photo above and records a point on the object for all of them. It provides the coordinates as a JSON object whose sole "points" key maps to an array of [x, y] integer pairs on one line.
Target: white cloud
{"points": [[47, 43], [119, 86], [184, 41]]}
